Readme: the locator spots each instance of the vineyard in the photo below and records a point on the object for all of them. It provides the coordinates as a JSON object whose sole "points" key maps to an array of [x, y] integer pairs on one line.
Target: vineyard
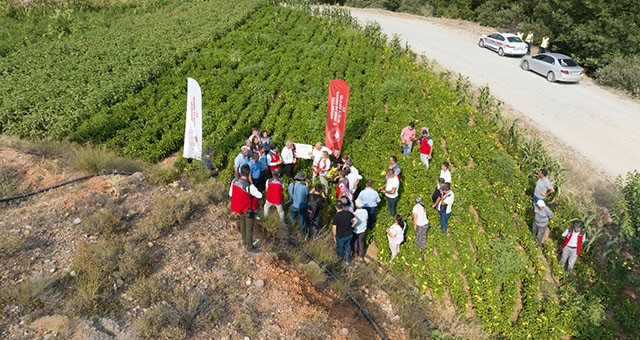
{"points": [[273, 71]]}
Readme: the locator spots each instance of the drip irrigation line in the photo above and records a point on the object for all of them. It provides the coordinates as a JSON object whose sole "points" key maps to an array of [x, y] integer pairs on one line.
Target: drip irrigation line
{"points": [[28, 194], [364, 311]]}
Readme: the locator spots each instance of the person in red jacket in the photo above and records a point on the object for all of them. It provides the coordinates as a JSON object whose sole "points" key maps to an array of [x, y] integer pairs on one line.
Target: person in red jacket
{"points": [[572, 246], [244, 202], [426, 147], [275, 195]]}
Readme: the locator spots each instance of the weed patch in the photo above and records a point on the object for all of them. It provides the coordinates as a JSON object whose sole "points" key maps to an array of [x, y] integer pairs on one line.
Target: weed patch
{"points": [[100, 159], [10, 245]]}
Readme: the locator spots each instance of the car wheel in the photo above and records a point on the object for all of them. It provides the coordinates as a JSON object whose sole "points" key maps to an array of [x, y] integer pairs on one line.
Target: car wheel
{"points": [[501, 52], [481, 43], [525, 65], [551, 76]]}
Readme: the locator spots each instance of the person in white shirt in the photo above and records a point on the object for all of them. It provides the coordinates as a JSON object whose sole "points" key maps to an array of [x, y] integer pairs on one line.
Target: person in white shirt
{"points": [[359, 230], [443, 205], [316, 156], [420, 223], [390, 190], [395, 236], [445, 173], [288, 158], [572, 246], [353, 176], [445, 177]]}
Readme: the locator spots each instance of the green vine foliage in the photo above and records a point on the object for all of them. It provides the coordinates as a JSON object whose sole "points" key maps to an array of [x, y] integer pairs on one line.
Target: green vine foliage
{"points": [[272, 71], [628, 210]]}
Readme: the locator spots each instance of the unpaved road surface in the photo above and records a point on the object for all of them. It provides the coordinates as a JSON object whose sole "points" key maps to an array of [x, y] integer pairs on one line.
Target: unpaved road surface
{"points": [[586, 121]]}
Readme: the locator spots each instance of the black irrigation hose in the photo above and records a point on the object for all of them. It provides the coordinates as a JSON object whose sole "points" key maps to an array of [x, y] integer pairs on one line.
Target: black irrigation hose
{"points": [[28, 194], [364, 311]]}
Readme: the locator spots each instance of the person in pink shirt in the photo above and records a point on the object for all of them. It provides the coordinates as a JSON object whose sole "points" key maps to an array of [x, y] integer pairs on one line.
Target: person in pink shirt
{"points": [[407, 136]]}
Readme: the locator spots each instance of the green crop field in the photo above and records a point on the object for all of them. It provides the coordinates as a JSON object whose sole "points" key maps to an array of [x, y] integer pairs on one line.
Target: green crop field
{"points": [[93, 81]]}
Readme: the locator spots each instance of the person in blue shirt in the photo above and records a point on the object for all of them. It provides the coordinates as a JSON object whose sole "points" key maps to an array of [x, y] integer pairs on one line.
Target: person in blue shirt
{"points": [[298, 191], [258, 165], [370, 199], [241, 158]]}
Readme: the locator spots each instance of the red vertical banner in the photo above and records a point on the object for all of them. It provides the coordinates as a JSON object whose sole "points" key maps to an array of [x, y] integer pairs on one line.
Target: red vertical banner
{"points": [[336, 113]]}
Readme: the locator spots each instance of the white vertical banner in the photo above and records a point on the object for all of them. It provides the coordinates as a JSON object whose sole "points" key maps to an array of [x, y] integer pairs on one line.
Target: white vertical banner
{"points": [[193, 127]]}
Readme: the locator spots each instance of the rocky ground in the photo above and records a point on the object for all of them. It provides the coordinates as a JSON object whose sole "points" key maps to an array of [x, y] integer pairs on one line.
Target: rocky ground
{"points": [[190, 280]]}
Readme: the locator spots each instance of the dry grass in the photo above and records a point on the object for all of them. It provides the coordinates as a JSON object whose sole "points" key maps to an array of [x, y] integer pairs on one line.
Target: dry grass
{"points": [[27, 294], [10, 180], [180, 316], [9, 245], [101, 267], [313, 272], [100, 159], [105, 222]]}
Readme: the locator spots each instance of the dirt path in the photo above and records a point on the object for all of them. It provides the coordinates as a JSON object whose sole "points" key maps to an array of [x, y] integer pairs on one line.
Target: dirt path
{"points": [[590, 125]]}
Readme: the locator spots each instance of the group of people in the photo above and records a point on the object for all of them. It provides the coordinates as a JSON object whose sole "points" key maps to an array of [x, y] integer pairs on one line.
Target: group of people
{"points": [[544, 43], [574, 236], [259, 167]]}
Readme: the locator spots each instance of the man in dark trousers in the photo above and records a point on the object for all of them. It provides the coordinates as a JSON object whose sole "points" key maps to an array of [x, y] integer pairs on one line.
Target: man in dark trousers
{"points": [[244, 202], [342, 228]]}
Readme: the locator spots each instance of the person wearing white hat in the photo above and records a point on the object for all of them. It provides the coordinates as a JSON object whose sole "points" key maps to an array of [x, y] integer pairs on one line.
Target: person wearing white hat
{"points": [[542, 215]]}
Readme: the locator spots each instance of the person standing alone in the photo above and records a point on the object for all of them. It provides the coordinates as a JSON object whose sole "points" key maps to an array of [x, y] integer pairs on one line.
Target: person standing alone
{"points": [[407, 135], [426, 147], [572, 246]]}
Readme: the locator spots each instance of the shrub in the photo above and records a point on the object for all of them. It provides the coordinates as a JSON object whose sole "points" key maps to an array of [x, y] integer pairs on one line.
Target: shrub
{"points": [[27, 294], [622, 72], [100, 159], [10, 245], [244, 323], [159, 174], [271, 223], [177, 318], [314, 273], [146, 291], [104, 221], [168, 212], [9, 182], [99, 267], [322, 248]]}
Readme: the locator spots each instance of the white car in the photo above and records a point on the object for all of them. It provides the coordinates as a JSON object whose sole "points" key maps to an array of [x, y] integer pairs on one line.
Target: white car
{"points": [[504, 43], [554, 66]]}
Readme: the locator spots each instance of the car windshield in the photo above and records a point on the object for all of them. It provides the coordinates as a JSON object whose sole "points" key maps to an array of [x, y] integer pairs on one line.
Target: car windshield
{"points": [[514, 39], [567, 62]]}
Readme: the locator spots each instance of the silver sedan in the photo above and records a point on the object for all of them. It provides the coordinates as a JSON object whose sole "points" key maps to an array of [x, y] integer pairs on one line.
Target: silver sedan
{"points": [[555, 66]]}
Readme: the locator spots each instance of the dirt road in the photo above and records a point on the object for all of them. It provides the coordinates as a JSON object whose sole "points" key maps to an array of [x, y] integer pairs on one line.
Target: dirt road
{"points": [[586, 121]]}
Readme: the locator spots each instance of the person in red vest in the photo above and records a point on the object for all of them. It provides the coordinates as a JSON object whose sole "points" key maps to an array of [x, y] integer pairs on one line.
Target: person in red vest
{"points": [[275, 195], [572, 246], [273, 158], [426, 147], [244, 202]]}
